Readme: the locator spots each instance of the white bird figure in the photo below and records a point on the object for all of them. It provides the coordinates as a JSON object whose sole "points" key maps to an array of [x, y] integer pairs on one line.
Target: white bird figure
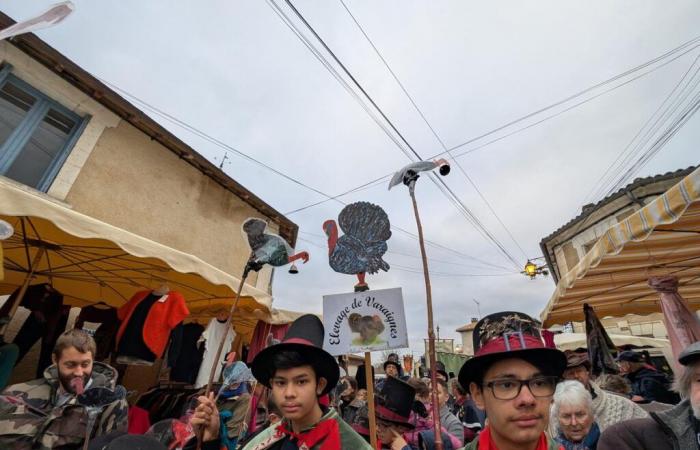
{"points": [[410, 172]]}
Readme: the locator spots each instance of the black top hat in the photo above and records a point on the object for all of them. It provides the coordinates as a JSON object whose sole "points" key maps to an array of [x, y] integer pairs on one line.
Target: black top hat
{"points": [[305, 336], [394, 402], [509, 334], [440, 368], [630, 356], [391, 362], [361, 378], [689, 354]]}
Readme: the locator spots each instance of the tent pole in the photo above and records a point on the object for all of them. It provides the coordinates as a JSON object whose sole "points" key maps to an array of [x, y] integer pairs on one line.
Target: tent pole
{"points": [[23, 289]]}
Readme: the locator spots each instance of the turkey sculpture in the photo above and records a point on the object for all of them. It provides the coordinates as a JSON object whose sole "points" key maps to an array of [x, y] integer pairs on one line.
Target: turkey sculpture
{"points": [[360, 249], [269, 248]]}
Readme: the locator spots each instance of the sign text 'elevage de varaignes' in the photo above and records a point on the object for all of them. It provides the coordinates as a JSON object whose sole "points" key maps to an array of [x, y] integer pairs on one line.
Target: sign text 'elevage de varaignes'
{"points": [[364, 321]]}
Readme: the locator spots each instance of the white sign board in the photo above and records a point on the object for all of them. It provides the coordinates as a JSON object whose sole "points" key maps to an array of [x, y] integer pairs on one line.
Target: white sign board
{"points": [[364, 321]]}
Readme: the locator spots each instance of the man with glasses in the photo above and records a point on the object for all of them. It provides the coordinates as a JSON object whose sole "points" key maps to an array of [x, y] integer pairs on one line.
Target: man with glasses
{"points": [[512, 376]]}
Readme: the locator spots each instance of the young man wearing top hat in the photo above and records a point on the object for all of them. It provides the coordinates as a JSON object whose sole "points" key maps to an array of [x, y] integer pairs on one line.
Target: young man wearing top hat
{"points": [[299, 371], [512, 376], [392, 408]]}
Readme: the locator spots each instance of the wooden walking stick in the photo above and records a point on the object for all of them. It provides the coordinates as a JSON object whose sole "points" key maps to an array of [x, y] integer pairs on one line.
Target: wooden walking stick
{"points": [[408, 175]]}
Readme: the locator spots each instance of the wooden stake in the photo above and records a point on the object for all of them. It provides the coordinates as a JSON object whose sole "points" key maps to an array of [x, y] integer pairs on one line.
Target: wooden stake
{"points": [[370, 400], [431, 332]]}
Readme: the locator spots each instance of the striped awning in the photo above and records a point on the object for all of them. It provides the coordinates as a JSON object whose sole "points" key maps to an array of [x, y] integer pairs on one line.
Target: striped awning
{"points": [[663, 238]]}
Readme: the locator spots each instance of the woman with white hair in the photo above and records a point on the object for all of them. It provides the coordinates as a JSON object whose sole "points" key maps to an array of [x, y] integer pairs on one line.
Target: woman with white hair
{"points": [[572, 417]]}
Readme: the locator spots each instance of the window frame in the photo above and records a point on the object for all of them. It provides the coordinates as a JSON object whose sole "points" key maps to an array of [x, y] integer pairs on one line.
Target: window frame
{"points": [[18, 138]]}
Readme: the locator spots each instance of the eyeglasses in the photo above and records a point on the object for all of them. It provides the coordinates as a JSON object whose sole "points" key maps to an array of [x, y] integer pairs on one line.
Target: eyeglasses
{"points": [[508, 388]]}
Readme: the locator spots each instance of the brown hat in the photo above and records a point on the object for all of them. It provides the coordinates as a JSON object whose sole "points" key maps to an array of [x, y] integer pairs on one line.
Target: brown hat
{"points": [[575, 359]]}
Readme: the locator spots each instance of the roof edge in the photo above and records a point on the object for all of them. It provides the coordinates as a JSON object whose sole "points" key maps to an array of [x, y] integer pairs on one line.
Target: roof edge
{"points": [[62, 66]]}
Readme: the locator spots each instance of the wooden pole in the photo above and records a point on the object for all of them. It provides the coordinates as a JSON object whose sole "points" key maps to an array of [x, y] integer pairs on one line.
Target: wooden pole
{"points": [[370, 400], [431, 332], [23, 289], [219, 350]]}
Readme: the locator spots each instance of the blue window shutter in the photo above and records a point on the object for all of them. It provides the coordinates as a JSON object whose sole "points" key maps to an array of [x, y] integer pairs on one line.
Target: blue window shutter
{"points": [[51, 173]]}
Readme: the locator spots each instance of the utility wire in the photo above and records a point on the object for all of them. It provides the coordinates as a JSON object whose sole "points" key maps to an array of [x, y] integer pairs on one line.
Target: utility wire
{"points": [[613, 169], [445, 189], [432, 129], [605, 177], [227, 148], [693, 44]]}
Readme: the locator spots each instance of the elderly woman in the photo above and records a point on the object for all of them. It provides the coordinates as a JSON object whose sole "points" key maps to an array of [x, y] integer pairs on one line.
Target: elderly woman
{"points": [[572, 417]]}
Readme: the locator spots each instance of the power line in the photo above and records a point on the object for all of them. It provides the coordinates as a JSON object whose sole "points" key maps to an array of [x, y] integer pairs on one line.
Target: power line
{"points": [[445, 189], [558, 103], [227, 148], [432, 129], [603, 179], [612, 169], [584, 91], [408, 255]]}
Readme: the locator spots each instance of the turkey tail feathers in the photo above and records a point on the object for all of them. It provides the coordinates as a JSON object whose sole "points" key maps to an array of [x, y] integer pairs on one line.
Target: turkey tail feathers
{"points": [[365, 221]]}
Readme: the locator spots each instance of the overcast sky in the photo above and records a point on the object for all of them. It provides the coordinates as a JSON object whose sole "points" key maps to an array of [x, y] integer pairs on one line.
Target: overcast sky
{"points": [[235, 71]]}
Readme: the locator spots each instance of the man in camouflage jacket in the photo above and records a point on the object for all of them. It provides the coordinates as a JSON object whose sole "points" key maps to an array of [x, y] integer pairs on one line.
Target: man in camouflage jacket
{"points": [[52, 412]]}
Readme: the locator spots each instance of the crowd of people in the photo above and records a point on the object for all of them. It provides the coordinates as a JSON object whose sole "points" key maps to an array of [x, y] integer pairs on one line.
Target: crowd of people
{"points": [[515, 393]]}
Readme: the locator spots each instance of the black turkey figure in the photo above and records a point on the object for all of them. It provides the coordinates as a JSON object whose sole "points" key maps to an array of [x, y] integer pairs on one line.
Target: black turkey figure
{"points": [[360, 249]]}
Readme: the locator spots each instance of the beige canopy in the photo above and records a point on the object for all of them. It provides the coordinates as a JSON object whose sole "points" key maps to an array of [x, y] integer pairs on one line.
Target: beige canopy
{"points": [[572, 341], [89, 261], [663, 238]]}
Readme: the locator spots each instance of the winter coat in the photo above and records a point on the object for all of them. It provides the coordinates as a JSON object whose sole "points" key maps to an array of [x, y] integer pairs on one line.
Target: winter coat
{"points": [[452, 424], [349, 439], [349, 410], [667, 430], [30, 419], [652, 385], [589, 442]]}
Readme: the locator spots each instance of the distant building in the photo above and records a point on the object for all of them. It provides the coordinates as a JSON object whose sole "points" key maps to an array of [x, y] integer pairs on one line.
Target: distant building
{"points": [[466, 332]]}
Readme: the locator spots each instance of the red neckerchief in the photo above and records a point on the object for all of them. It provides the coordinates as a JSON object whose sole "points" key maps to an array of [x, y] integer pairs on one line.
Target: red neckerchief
{"points": [[326, 432], [486, 443]]}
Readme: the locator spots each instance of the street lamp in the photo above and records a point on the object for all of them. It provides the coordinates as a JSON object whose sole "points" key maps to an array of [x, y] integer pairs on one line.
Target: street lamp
{"points": [[532, 270]]}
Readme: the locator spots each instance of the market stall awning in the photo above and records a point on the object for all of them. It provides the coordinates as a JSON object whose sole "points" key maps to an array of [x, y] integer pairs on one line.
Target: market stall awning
{"points": [[663, 238], [572, 341], [90, 261]]}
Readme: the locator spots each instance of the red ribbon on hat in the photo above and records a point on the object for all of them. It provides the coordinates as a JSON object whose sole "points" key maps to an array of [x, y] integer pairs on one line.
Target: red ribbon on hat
{"points": [[327, 432], [516, 341]]}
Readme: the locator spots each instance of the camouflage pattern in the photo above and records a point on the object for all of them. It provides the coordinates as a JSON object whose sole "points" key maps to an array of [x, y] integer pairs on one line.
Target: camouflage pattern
{"points": [[30, 419]]}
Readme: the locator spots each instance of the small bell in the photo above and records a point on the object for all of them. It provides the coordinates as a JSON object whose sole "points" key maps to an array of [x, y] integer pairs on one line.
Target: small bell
{"points": [[293, 269]]}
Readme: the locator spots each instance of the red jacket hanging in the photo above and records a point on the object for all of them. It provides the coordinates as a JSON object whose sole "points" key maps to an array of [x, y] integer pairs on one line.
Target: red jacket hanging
{"points": [[162, 318]]}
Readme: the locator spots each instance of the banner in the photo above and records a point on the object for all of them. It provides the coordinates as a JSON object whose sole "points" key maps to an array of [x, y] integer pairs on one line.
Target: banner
{"points": [[364, 321]]}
